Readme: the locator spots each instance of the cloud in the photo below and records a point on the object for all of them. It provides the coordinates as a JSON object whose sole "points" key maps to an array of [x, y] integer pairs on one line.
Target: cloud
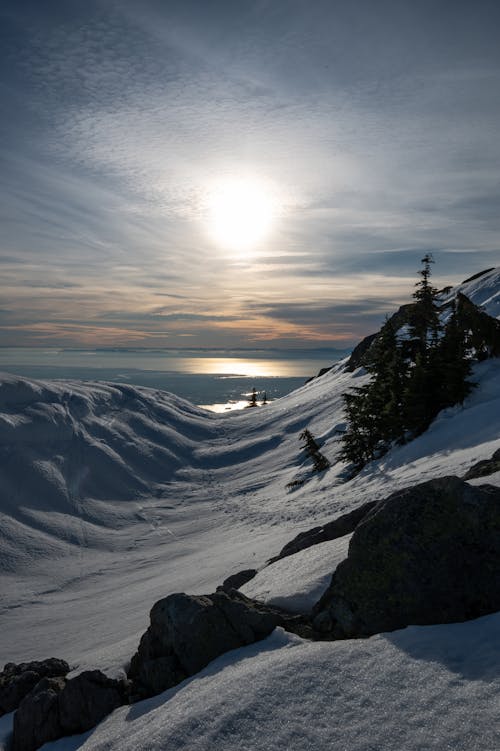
{"points": [[376, 126]]}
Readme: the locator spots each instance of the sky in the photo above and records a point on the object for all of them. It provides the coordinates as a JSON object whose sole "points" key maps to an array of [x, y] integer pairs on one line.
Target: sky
{"points": [[240, 173]]}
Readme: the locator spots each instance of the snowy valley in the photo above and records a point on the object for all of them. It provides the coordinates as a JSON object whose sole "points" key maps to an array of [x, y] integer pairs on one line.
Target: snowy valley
{"points": [[113, 497]]}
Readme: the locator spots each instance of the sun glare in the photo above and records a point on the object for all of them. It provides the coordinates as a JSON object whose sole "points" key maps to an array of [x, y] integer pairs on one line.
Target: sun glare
{"points": [[241, 213]]}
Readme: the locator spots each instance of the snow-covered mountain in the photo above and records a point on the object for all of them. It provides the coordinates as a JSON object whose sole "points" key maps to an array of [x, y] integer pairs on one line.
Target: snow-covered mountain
{"points": [[112, 497], [483, 289]]}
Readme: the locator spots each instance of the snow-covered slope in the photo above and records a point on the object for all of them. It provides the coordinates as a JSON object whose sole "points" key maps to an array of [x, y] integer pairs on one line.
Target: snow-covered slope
{"points": [[422, 689], [112, 497], [483, 291]]}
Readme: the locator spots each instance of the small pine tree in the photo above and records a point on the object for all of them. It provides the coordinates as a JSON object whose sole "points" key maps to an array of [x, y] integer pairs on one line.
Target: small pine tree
{"points": [[252, 402], [320, 462]]}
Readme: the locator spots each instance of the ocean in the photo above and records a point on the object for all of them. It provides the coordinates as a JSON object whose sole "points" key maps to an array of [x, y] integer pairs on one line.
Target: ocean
{"points": [[215, 379]]}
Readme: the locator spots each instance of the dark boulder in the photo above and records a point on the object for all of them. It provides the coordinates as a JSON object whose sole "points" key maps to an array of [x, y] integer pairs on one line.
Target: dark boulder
{"points": [[428, 554], [237, 580], [88, 698], [17, 680], [484, 468], [57, 707], [339, 527], [37, 719], [187, 632]]}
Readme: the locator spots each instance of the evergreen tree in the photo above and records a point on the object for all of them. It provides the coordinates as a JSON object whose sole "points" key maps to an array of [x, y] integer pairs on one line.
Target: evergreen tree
{"points": [[358, 442], [311, 447], [252, 402], [412, 381], [388, 368], [455, 365], [423, 392], [375, 411], [417, 412], [424, 318]]}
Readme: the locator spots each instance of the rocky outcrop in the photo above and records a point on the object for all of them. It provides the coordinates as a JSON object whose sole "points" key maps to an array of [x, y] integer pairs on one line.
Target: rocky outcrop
{"points": [[57, 707], [320, 373], [482, 330], [484, 468], [16, 681], [428, 554], [339, 527], [235, 581], [186, 632], [359, 351]]}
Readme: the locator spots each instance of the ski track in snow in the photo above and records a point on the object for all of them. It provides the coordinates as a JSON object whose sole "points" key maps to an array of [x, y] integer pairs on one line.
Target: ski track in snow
{"points": [[112, 497]]}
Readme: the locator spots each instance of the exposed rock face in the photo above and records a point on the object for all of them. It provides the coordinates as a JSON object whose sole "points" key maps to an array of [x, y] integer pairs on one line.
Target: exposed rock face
{"points": [[16, 681], [428, 554], [359, 351], [339, 527], [483, 331], [484, 468], [320, 373], [187, 632], [57, 707], [238, 580]]}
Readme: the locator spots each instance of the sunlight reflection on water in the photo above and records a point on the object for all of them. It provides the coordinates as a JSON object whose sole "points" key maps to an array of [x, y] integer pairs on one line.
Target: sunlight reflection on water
{"points": [[221, 381], [164, 361], [235, 366]]}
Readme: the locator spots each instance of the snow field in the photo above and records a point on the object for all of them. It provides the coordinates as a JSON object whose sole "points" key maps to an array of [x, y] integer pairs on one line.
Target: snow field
{"points": [[296, 582], [112, 497], [421, 689]]}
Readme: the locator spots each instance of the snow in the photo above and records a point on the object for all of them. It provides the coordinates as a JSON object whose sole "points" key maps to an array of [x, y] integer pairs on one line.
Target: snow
{"points": [[112, 497], [424, 688], [297, 582], [484, 292]]}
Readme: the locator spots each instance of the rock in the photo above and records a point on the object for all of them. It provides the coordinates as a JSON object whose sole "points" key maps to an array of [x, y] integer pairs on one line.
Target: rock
{"points": [[187, 632], [428, 554], [57, 707], [484, 468], [237, 580], [339, 527], [320, 373], [16, 681], [37, 719], [88, 698], [359, 351]]}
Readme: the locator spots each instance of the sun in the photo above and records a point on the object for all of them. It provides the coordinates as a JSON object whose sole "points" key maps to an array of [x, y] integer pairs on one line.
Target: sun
{"points": [[241, 213]]}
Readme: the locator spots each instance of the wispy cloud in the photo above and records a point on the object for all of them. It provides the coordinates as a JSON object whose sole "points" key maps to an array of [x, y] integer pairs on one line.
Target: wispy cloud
{"points": [[377, 127]]}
